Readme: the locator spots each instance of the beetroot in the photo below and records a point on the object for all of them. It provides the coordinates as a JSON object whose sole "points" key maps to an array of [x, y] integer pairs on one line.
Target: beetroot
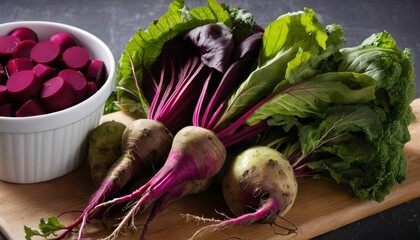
{"points": [[23, 85], [38, 77], [7, 45], [23, 49], [46, 52], [18, 64], [57, 94], [77, 81], [7, 110], [91, 89], [3, 94], [44, 72], [76, 58], [32, 107], [96, 72], [64, 40], [24, 33]]}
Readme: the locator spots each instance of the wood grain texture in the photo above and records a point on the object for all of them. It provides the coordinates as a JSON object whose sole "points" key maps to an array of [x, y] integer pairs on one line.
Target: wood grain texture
{"points": [[320, 206]]}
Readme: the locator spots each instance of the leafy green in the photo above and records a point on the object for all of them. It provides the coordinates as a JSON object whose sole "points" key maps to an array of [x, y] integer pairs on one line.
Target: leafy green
{"points": [[47, 228], [146, 45], [294, 48]]}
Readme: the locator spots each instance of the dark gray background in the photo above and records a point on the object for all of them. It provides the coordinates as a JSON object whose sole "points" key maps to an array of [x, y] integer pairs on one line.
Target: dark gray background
{"points": [[115, 22]]}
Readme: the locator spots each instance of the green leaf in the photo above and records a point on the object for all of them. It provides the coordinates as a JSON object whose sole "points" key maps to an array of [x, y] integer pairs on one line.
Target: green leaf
{"points": [[293, 48], [47, 228], [312, 97]]}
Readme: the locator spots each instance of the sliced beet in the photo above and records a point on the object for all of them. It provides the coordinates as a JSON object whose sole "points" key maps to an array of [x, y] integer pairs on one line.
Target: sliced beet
{"points": [[46, 52], [57, 94], [18, 64], [23, 49], [96, 71], [64, 40], [77, 81], [24, 33], [76, 58], [3, 94], [7, 110], [91, 89], [23, 85], [32, 107], [7, 46], [44, 72]]}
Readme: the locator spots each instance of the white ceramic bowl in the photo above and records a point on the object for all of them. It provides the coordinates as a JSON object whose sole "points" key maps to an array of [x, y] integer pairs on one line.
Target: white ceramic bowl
{"points": [[44, 147]]}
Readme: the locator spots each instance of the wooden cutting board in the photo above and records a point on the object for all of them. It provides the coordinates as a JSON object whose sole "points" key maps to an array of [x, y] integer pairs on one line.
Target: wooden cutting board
{"points": [[320, 206]]}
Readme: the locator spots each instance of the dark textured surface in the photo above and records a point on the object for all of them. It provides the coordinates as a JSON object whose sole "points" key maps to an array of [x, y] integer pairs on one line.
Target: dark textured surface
{"points": [[115, 22]]}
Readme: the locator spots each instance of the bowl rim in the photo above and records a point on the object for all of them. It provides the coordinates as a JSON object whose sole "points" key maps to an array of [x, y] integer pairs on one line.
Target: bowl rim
{"points": [[69, 115]]}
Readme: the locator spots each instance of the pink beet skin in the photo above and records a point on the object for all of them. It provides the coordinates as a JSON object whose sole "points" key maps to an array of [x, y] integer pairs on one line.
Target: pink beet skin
{"points": [[7, 110], [64, 40], [24, 33], [76, 58], [23, 49], [46, 52], [23, 85], [44, 72], [7, 45], [77, 81], [57, 94], [32, 107], [18, 64]]}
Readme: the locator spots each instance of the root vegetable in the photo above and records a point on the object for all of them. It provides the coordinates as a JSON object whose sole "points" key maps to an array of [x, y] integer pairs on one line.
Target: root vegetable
{"points": [[57, 94], [18, 64], [104, 149], [44, 72], [77, 81], [76, 58], [196, 156], [46, 52], [30, 108], [145, 144], [64, 40], [23, 85], [23, 49], [3, 94], [259, 186], [7, 45], [7, 110], [24, 33]]}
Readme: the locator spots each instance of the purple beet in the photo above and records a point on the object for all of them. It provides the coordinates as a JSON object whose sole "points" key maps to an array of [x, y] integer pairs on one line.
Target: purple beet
{"points": [[77, 81], [64, 40], [44, 72], [91, 89], [7, 45], [23, 49], [23, 85], [18, 64], [96, 72], [24, 33], [76, 58], [46, 52], [32, 107], [3, 94], [57, 94], [7, 110]]}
